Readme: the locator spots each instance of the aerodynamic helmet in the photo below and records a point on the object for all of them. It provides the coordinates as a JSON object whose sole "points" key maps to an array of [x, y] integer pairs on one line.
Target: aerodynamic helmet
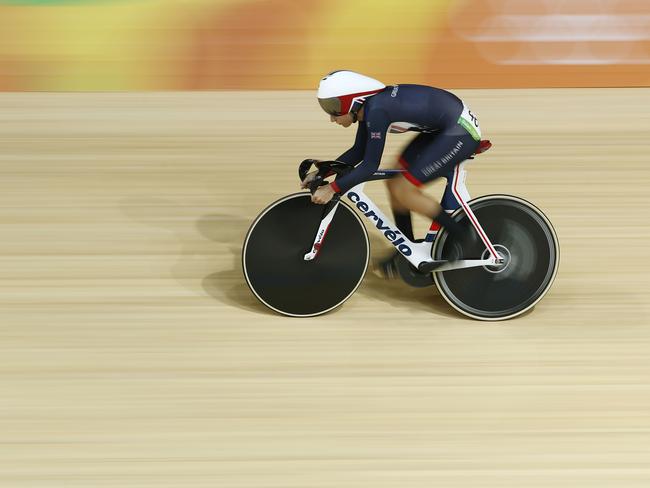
{"points": [[341, 92]]}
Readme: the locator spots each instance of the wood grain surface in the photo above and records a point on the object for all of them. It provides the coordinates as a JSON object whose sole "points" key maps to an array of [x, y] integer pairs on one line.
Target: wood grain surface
{"points": [[134, 355]]}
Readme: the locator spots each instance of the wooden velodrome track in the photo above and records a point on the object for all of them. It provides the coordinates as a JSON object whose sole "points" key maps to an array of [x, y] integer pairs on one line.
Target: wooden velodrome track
{"points": [[134, 355]]}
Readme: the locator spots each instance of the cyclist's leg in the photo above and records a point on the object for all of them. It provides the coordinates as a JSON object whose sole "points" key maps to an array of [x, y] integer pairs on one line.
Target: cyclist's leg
{"points": [[387, 267], [401, 213], [425, 159], [441, 155]]}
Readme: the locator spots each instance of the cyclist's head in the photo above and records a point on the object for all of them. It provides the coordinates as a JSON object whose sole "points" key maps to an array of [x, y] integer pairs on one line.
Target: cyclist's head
{"points": [[343, 92]]}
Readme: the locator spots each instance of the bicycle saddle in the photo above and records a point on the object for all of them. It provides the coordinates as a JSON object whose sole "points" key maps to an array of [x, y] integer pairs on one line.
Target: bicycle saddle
{"points": [[483, 146]]}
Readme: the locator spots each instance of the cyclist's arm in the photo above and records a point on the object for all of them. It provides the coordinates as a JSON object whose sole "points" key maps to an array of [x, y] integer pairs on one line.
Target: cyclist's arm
{"points": [[355, 154], [376, 129]]}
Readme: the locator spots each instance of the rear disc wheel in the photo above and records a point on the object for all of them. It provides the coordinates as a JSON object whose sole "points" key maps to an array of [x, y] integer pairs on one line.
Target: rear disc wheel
{"points": [[523, 236]]}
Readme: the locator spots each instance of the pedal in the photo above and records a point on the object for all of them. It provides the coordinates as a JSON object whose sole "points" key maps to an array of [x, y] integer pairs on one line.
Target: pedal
{"points": [[430, 266]]}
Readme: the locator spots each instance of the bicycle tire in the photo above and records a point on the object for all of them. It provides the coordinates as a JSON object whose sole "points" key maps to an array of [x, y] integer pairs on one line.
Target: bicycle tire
{"points": [[273, 257], [500, 293]]}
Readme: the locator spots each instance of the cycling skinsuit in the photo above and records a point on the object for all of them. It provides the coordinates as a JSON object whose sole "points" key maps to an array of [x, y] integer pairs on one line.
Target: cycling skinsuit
{"points": [[449, 134]]}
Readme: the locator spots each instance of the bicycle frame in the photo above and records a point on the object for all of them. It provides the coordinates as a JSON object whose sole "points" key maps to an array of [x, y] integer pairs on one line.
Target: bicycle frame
{"points": [[415, 252]]}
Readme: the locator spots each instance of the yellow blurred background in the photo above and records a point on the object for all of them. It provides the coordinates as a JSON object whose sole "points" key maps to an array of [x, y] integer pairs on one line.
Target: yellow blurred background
{"points": [[289, 44]]}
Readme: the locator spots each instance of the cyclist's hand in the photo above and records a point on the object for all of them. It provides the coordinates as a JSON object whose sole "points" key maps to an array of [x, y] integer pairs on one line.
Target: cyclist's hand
{"points": [[308, 179], [323, 195]]}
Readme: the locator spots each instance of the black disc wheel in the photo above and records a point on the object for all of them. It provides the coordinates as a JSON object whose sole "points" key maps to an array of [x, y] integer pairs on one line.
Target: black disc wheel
{"points": [[526, 241], [274, 250]]}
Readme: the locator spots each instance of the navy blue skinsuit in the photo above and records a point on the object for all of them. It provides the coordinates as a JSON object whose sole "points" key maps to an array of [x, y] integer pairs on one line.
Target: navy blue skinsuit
{"points": [[444, 140]]}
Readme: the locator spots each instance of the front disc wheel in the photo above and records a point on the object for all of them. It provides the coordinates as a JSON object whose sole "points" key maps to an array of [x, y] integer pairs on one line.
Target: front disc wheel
{"points": [[275, 246]]}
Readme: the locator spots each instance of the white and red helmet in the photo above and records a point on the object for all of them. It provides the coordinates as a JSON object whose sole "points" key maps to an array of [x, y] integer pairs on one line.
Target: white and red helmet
{"points": [[341, 92]]}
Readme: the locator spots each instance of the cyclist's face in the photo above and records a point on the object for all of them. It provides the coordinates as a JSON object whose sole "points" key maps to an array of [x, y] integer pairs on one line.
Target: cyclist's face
{"points": [[344, 120]]}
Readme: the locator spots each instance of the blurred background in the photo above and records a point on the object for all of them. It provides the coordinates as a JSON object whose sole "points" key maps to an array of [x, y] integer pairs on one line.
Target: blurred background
{"points": [[290, 44]]}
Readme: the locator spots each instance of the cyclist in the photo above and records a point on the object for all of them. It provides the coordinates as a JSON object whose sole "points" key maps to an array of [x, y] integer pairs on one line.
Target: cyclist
{"points": [[448, 134]]}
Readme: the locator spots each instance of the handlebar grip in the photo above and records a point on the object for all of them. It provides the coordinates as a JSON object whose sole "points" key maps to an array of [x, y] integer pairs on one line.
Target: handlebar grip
{"points": [[304, 168], [318, 182], [325, 169], [313, 186]]}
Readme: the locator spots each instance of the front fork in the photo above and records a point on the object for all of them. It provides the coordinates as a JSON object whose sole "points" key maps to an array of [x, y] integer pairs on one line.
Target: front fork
{"points": [[328, 215]]}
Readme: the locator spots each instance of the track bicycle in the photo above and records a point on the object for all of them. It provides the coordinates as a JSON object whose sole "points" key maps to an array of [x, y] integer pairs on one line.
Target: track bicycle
{"points": [[302, 259]]}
